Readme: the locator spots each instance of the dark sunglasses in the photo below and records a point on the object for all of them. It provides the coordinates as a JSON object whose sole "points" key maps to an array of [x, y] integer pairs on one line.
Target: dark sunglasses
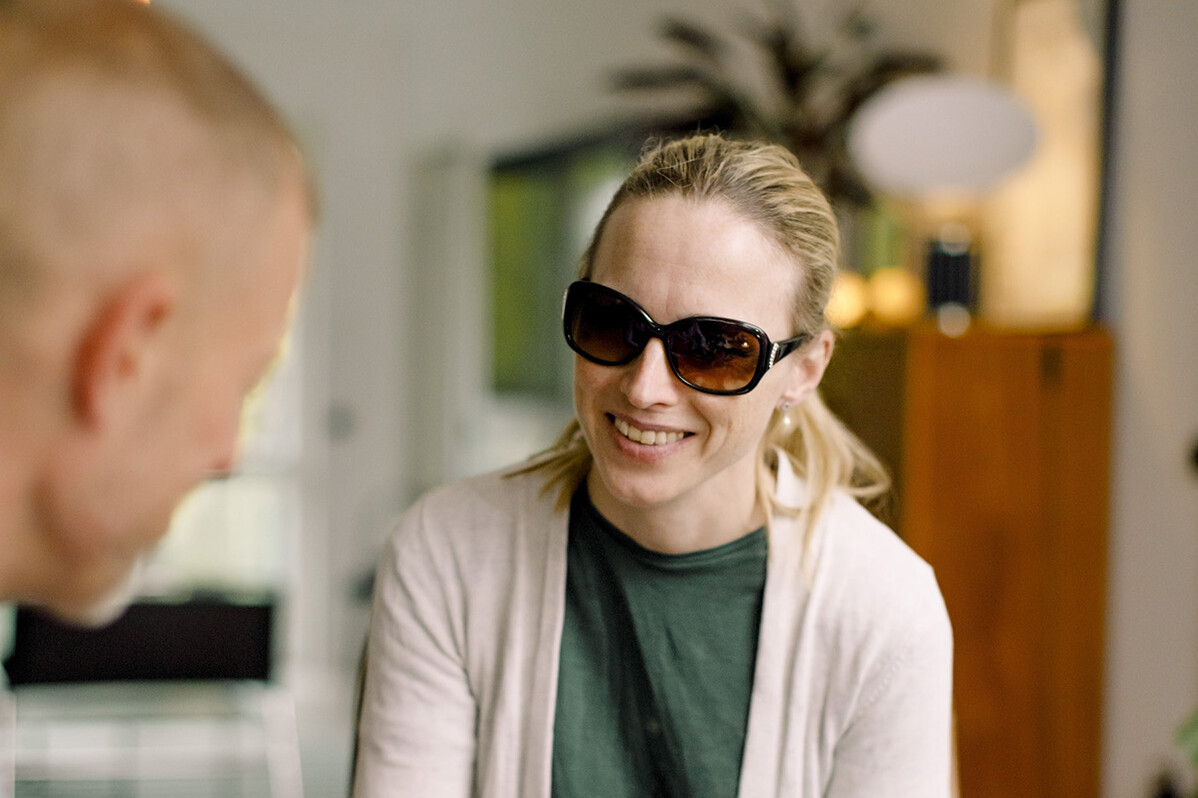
{"points": [[708, 353]]}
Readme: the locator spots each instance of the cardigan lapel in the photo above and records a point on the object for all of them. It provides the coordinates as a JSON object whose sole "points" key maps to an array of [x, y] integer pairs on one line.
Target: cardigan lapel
{"points": [[774, 741]]}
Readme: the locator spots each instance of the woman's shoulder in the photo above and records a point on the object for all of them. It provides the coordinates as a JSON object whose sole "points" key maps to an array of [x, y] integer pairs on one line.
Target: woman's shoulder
{"points": [[872, 578], [470, 555], [880, 619], [478, 510], [868, 542], [504, 490], [851, 549]]}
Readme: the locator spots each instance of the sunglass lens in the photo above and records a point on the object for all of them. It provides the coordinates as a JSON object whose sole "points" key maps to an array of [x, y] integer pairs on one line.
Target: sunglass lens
{"points": [[715, 355], [603, 326]]}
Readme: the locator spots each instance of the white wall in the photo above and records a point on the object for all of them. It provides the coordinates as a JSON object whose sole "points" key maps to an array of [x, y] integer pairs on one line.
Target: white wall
{"points": [[1152, 661], [377, 86]]}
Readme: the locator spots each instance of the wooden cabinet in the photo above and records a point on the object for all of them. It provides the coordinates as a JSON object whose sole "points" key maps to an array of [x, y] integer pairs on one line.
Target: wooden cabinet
{"points": [[1000, 445]]}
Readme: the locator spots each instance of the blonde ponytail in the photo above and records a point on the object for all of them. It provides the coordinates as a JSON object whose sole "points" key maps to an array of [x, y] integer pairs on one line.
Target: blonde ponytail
{"points": [[826, 455]]}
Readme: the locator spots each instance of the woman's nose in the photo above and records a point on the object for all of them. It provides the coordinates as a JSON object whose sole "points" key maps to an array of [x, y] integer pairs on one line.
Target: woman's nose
{"points": [[649, 380]]}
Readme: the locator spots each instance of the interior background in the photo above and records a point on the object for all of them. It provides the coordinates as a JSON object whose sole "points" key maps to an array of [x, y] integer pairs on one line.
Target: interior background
{"points": [[380, 90]]}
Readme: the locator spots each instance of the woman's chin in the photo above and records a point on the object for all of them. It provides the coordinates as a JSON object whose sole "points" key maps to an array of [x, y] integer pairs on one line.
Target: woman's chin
{"points": [[635, 492]]}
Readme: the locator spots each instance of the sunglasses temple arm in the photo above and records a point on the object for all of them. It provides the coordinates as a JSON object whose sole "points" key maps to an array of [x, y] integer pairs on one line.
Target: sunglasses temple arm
{"points": [[780, 349]]}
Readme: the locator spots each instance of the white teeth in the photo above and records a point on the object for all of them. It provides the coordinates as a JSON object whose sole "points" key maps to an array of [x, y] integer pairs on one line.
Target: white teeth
{"points": [[646, 437]]}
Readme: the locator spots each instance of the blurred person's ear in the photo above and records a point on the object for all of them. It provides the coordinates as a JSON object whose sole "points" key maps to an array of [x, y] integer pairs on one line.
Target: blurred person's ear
{"points": [[119, 347]]}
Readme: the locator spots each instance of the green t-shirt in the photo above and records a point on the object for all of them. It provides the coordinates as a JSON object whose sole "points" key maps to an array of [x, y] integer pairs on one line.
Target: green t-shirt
{"points": [[656, 664]]}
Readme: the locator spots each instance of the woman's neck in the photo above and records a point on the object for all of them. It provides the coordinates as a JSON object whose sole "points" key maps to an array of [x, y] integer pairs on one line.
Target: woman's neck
{"points": [[681, 526]]}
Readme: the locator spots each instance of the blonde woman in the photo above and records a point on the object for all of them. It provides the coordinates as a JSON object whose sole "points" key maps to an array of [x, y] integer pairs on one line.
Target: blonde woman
{"points": [[683, 596]]}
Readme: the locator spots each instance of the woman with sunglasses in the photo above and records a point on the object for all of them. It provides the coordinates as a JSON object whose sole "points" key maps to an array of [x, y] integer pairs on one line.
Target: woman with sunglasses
{"points": [[682, 597]]}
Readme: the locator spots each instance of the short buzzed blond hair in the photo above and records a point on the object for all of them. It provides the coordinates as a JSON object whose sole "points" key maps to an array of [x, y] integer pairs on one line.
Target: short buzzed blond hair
{"points": [[123, 135]]}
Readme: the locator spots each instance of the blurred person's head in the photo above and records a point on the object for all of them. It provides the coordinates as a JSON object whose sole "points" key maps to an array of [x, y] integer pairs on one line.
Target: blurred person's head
{"points": [[154, 216]]}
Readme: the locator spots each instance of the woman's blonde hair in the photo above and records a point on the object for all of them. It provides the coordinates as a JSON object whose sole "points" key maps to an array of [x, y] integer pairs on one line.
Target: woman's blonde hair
{"points": [[765, 183]]}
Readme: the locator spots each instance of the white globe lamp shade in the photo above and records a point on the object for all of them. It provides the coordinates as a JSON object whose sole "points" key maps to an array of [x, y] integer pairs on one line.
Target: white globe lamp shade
{"points": [[940, 134]]}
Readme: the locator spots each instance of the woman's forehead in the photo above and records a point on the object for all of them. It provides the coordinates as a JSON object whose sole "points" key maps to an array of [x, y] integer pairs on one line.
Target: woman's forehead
{"points": [[680, 256]]}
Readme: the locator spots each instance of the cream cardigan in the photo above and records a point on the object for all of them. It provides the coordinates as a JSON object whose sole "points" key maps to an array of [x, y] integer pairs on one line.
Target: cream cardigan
{"points": [[851, 696]]}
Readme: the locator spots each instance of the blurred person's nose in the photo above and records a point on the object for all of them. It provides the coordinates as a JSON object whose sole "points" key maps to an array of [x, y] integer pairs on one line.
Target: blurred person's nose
{"points": [[228, 454]]}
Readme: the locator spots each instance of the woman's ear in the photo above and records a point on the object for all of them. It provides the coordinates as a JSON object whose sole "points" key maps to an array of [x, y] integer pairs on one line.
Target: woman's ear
{"points": [[118, 348], [808, 368]]}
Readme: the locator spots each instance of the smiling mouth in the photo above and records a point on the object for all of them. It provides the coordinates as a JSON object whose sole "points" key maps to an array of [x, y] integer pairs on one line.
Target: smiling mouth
{"points": [[647, 437]]}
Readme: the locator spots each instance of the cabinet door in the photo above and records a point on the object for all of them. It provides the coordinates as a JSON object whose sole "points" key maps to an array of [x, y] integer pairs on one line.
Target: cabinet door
{"points": [[1005, 457]]}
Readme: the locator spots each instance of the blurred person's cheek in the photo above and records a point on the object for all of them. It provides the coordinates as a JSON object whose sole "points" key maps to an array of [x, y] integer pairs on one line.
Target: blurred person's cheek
{"points": [[112, 604]]}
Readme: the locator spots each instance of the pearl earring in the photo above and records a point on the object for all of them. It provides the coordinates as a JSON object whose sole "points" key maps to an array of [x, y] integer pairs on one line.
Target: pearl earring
{"points": [[785, 414]]}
